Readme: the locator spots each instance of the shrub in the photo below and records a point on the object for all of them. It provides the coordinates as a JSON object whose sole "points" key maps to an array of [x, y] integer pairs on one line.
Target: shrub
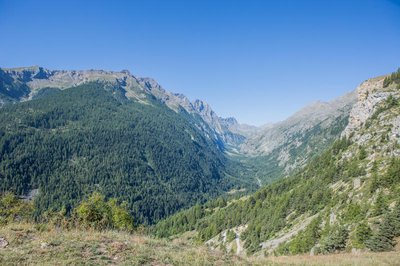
{"points": [[97, 213], [13, 209]]}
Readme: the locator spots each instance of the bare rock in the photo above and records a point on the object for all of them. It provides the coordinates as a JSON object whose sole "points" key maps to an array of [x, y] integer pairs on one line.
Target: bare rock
{"points": [[3, 242]]}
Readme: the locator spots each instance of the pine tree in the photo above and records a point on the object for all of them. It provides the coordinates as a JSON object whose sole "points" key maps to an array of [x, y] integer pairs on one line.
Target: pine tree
{"points": [[383, 240], [363, 234], [380, 205]]}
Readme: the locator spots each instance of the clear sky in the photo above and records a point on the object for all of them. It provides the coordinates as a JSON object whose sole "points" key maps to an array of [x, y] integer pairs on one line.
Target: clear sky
{"points": [[258, 61]]}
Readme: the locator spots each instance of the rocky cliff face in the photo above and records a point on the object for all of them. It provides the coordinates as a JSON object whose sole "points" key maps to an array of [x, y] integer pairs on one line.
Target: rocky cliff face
{"points": [[369, 95], [373, 120]]}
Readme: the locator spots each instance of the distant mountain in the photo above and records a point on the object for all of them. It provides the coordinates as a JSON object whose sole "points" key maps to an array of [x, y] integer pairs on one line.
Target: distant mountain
{"points": [[21, 84], [345, 199], [237, 155], [64, 134], [279, 149]]}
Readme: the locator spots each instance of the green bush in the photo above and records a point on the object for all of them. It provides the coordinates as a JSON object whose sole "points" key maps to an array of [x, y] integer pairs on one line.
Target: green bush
{"points": [[230, 236], [14, 209], [97, 213]]}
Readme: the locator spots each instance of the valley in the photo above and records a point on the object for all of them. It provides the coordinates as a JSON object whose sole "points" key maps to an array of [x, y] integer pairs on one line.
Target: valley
{"points": [[200, 188]]}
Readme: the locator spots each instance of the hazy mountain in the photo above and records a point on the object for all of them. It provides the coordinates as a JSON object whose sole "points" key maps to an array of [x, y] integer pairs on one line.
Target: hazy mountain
{"points": [[278, 149]]}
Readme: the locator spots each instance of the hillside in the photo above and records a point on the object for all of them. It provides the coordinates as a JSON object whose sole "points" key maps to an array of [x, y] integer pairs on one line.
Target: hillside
{"points": [[280, 149], [345, 199], [263, 154], [26, 83], [68, 143], [30, 244]]}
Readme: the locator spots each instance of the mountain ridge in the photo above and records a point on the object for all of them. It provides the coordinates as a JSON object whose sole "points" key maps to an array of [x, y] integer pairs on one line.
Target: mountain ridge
{"points": [[273, 144], [345, 200], [35, 78]]}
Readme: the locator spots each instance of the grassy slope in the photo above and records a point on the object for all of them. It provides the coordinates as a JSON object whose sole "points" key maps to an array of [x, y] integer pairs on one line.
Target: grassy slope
{"points": [[27, 245], [30, 246]]}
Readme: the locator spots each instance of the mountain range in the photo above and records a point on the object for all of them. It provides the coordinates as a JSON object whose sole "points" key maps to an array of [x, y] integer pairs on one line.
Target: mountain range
{"points": [[253, 155], [323, 180], [345, 199], [281, 146]]}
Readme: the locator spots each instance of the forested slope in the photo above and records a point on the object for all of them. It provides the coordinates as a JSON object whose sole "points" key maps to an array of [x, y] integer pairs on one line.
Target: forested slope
{"points": [[346, 198], [70, 143]]}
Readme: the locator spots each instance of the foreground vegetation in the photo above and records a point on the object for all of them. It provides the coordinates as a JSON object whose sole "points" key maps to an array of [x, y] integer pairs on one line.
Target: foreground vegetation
{"points": [[101, 232], [38, 244]]}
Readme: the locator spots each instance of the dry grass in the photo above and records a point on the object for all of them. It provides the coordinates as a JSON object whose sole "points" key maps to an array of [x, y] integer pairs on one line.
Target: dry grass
{"points": [[29, 246], [34, 245], [362, 259]]}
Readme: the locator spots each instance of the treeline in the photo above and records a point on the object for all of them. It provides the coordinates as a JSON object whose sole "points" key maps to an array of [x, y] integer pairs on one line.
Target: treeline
{"points": [[393, 78], [95, 212], [90, 138]]}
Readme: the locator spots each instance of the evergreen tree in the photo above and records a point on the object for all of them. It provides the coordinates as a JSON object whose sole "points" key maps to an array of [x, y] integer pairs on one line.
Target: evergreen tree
{"points": [[380, 206], [383, 240], [363, 234]]}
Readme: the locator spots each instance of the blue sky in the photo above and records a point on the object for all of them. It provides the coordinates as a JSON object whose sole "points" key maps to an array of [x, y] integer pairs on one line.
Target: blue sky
{"points": [[258, 61]]}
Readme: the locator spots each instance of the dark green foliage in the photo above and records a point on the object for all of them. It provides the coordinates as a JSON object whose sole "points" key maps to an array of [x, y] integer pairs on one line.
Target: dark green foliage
{"points": [[265, 211], [380, 206], [90, 138], [335, 240], [354, 212], [230, 236], [388, 179], [362, 154], [183, 221], [388, 229], [354, 169], [392, 175], [383, 239], [363, 234], [393, 78]]}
